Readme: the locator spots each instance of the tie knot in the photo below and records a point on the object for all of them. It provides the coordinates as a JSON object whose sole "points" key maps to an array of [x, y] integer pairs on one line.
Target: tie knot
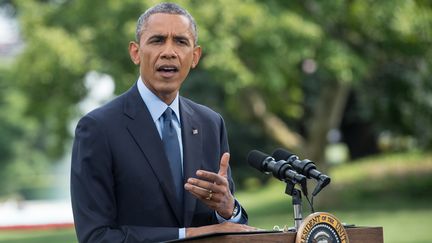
{"points": [[167, 115]]}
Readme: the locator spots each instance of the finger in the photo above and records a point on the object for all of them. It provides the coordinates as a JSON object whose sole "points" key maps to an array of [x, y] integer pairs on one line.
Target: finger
{"points": [[204, 184], [209, 202], [199, 196], [203, 194], [224, 164], [197, 190], [211, 177], [212, 203]]}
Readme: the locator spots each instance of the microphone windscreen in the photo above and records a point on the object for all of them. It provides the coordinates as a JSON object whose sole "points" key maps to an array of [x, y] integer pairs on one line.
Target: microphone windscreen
{"points": [[281, 154], [255, 159]]}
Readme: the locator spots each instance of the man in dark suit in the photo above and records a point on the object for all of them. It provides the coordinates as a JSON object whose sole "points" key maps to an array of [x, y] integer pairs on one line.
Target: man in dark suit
{"points": [[152, 165]]}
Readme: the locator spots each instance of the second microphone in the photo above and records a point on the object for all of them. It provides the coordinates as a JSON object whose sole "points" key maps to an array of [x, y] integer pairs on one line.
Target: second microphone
{"points": [[280, 169]]}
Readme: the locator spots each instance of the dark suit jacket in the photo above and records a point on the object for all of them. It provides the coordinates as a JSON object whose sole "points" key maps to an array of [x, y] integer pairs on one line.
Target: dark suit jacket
{"points": [[121, 186]]}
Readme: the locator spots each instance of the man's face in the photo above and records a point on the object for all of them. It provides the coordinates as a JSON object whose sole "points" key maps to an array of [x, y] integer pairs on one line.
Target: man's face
{"points": [[165, 54]]}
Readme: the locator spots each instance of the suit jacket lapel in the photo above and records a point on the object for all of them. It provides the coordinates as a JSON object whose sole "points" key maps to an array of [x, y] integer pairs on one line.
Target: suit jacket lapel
{"points": [[142, 128], [192, 154]]}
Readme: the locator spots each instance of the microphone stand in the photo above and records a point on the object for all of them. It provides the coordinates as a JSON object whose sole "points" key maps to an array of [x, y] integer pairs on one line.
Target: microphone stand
{"points": [[297, 204]]}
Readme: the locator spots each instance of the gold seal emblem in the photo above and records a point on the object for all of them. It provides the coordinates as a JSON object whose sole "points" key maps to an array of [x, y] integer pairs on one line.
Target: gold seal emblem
{"points": [[321, 228]]}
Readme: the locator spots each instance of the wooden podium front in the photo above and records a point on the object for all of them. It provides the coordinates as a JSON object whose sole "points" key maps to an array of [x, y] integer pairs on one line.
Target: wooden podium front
{"points": [[355, 235]]}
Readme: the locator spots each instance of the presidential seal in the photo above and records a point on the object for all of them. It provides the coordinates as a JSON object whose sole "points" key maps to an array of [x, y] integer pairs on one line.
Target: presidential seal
{"points": [[321, 228]]}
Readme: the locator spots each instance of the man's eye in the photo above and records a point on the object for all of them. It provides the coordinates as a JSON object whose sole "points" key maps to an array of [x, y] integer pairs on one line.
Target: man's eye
{"points": [[156, 40], [183, 42]]}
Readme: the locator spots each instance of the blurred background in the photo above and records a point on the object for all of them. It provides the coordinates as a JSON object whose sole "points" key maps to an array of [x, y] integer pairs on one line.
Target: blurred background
{"points": [[345, 83]]}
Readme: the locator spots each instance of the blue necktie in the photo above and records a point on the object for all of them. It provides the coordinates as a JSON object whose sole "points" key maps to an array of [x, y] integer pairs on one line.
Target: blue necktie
{"points": [[172, 151]]}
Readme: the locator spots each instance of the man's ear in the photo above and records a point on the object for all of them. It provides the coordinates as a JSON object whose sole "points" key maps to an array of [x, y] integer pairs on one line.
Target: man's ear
{"points": [[196, 56], [134, 52]]}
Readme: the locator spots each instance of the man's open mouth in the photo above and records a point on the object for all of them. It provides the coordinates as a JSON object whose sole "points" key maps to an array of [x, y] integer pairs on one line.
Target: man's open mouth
{"points": [[167, 68]]}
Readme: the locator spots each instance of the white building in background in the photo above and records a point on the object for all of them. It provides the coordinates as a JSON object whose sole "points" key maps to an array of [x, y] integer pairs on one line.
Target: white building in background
{"points": [[17, 214], [10, 41]]}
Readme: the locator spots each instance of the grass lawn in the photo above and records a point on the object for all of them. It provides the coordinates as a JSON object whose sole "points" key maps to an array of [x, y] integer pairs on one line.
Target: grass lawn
{"points": [[38, 236]]}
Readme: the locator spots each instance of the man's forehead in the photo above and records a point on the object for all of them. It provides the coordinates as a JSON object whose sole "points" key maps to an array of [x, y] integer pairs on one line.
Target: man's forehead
{"points": [[168, 23]]}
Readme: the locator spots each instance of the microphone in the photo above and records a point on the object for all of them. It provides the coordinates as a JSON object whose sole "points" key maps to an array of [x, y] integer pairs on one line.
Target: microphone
{"points": [[282, 170], [304, 167]]}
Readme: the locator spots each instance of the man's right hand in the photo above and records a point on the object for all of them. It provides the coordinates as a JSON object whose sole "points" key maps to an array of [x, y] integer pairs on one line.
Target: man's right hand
{"points": [[218, 228]]}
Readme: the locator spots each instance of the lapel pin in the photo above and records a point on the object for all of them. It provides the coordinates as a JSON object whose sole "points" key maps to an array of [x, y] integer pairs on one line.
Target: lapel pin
{"points": [[194, 131]]}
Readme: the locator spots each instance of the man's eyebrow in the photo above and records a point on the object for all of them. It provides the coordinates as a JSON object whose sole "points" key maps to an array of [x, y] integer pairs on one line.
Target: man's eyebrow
{"points": [[157, 36], [179, 37]]}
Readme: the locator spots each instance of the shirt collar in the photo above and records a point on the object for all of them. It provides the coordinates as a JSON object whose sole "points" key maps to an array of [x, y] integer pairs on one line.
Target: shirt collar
{"points": [[155, 105]]}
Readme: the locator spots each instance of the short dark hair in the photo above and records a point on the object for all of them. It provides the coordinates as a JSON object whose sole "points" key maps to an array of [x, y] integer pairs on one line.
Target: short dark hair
{"points": [[167, 8]]}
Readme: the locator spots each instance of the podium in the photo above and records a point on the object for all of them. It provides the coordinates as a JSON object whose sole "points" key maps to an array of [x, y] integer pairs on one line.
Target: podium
{"points": [[355, 235]]}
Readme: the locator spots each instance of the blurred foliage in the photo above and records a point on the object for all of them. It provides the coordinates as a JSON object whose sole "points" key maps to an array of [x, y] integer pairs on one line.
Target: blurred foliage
{"points": [[305, 60]]}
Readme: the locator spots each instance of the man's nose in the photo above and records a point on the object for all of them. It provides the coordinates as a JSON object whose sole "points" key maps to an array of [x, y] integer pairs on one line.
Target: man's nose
{"points": [[169, 51]]}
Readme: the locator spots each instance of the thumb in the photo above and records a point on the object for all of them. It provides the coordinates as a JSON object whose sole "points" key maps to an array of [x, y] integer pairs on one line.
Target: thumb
{"points": [[224, 164]]}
